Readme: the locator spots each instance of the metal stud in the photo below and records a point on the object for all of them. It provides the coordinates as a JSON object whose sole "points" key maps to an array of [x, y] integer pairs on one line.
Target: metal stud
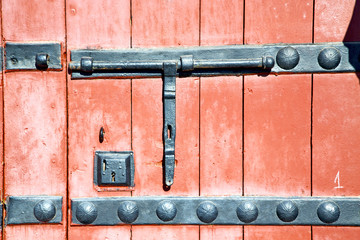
{"points": [[166, 211], [44, 210], [42, 60], [86, 64], [128, 211], [207, 212], [247, 212], [86, 212], [287, 58], [287, 211], [328, 212], [329, 58], [101, 134]]}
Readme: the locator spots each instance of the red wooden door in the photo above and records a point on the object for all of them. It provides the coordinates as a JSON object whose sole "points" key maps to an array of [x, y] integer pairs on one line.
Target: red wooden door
{"points": [[286, 135]]}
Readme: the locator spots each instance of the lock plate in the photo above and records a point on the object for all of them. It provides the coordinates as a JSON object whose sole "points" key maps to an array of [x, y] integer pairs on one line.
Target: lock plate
{"points": [[114, 168]]}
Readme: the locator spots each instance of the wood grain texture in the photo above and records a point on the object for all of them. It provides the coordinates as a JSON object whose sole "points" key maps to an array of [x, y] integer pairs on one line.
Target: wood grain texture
{"points": [[97, 103], [178, 24], [278, 232], [274, 21], [35, 20], [35, 110], [277, 114], [277, 135], [336, 111], [221, 114], [221, 22], [35, 143]]}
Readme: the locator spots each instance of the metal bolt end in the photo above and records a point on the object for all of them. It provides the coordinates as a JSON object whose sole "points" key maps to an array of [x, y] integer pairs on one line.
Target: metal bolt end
{"points": [[86, 64], [287, 211], [247, 212], [86, 212], [42, 60], [328, 212], [187, 63], [207, 212], [44, 210], [329, 58], [287, 58], [101, 135], [128, 211], [166, 211], [268, 62]]}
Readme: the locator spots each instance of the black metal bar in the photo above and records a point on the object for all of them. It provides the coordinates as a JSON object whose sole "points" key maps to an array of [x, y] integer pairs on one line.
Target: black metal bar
{"points": [[223, 60], [234, 210], [169, 127], [33, 209]]}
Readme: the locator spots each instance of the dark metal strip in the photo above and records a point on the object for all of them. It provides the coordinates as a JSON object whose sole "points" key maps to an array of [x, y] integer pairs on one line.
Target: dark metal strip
{"points": [[33, 209], [214, 61], [32, 56], [169, 127], [336, 211], [1, 58]]}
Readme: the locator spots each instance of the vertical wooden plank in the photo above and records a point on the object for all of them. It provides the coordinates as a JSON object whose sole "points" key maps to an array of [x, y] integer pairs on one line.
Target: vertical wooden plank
{"points": [[97, 103], [35, 110], [2, 190], [277, 113], [165, 23], [221, 114], [336, 115]]}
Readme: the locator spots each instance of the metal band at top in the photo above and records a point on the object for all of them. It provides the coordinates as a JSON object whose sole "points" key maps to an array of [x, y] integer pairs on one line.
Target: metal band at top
{"points": [[215, 61]]}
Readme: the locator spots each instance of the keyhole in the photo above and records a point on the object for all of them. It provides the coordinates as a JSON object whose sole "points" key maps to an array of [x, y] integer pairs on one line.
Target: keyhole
{"points": [[169, 131], [113, 176], [104, 165]]}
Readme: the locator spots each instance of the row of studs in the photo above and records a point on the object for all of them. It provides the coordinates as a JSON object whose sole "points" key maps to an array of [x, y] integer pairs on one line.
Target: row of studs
{"points": [[207, 212], [288, 58]]}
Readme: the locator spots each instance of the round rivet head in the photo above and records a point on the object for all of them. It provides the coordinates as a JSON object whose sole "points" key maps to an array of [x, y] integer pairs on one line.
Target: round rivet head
{"points": [[287, 58], [42, 60], [247, 212], [207, 212], [86, 212], [44, 210], [287, 211], [128, 212], [328, 212], [166, 211], [329, 58]]}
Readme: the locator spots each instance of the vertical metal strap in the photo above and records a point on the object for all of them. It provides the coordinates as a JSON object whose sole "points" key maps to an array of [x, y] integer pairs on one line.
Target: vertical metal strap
{"points": [[169, 131]]}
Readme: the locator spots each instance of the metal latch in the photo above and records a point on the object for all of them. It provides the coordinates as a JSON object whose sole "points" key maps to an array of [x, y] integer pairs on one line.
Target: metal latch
{"points": [[169, 70], [170, 63]]}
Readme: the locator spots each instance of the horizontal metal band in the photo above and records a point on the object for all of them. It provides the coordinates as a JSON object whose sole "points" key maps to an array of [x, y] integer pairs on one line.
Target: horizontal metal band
{"points": [[32, 56], [215, 61], [33, 209], [337, 211]]}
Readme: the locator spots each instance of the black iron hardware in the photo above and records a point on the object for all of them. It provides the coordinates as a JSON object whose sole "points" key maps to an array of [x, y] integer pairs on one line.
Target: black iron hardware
{"points": [[209, 61], [101, 134], [335, 211], [114, 168], [33, 209], [32, 56]]}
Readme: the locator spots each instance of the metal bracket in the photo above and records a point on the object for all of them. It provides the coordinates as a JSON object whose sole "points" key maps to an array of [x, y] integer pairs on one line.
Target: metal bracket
{"points": [[336, 211], [33, 209], [33, 56], [169, 131]]}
